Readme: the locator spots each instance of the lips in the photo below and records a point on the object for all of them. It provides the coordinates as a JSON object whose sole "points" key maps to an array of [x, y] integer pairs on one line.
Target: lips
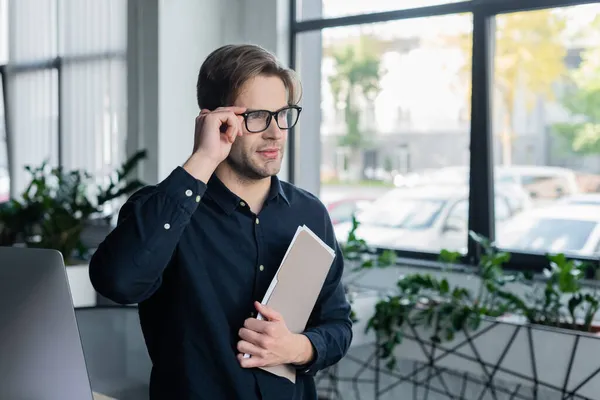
{"points": [[270, 153]]}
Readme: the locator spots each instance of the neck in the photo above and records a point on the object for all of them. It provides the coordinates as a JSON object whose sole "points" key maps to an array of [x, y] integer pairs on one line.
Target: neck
{"points": [[252, 191]]}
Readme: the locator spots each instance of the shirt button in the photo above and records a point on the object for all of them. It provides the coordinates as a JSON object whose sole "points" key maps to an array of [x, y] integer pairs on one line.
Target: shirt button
{"points": [[252, 314], [198, 199], [262, 267], [167, 226], [257, 221], [242, 204], [188, 193]]}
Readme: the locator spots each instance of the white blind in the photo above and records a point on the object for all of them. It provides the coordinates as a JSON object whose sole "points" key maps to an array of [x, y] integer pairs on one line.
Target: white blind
{"points": [[94, 115], [32, 30], [3, 32], [92, 27], [90, 37], [4, 183], [33, 98]]}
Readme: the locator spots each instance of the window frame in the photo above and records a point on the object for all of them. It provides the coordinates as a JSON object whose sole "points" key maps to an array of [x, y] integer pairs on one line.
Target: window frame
{"points": [[14, 68], [481, 218]]}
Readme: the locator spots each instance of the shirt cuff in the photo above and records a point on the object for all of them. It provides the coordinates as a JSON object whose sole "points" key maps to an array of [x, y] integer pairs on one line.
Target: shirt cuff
{"points": [[182, 187], [319, 349]]}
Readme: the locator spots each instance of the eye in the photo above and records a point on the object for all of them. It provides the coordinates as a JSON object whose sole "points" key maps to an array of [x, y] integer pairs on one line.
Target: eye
{"points": [[258, 115]]}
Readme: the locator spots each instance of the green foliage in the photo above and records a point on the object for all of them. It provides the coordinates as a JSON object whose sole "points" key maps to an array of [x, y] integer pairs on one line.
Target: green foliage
{"points": [[357, 251], [528, 59], [422, 300], [356, 79], [582, 100], [56, 206], [450, 257], [560, 300]]}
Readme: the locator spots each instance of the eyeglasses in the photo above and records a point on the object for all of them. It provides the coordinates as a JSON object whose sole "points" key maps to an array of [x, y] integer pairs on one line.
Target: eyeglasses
{"points": [[259, 120]]}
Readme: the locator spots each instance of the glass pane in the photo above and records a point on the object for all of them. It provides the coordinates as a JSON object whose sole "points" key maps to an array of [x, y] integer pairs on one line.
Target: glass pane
{"points": [[4, 177], [34, 109], [94, 124], [3, 31], [546, 125], [28, 43], [312, 9], [95, 26], [394, 122]]}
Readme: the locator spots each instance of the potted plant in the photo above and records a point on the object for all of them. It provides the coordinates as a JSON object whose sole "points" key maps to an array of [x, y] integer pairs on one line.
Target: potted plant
{"points": [[55, 210], [506, 330]]}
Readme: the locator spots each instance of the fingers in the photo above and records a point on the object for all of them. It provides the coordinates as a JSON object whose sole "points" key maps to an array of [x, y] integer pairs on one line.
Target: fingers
{"points": [[235, 110], [226, 120], [267, 312], [252, 362], [250, 336], [233, 125], [245, 347], [256, 325]]}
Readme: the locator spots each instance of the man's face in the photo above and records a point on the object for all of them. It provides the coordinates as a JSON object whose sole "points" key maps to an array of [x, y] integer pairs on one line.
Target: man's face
{"points": [[259, 155]]}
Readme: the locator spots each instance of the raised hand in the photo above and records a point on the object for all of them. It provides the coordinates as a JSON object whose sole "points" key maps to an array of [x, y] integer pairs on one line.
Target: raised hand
{"points": [[215, 132]]}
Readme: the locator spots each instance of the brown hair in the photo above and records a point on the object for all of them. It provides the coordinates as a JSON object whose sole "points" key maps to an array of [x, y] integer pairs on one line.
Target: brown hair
{"points": [[227, 68]]}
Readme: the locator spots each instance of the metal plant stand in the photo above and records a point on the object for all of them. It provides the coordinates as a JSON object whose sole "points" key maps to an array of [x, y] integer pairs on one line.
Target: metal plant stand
{"points": [[499, 361]]}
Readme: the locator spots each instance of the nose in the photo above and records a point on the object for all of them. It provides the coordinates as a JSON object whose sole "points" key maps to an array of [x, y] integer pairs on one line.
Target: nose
{"points": [[273, 132]]}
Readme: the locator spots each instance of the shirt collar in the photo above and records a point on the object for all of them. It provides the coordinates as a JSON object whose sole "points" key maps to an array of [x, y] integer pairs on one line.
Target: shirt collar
{"points": [[229, 201]]}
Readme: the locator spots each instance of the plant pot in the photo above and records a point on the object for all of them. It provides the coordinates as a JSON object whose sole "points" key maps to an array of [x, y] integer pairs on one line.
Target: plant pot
{"points": [[499, 353], [82, 291]]}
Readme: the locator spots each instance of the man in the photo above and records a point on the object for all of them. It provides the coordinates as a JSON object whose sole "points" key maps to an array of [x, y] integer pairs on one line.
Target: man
{"points": [[198, 251]]}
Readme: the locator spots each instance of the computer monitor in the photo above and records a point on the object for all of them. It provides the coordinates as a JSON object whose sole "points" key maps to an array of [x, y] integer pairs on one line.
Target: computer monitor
{"points": [[41, 356]]}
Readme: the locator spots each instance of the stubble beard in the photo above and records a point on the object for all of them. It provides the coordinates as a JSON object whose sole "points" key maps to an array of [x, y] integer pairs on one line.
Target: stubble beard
{"points": [[246, 170]]}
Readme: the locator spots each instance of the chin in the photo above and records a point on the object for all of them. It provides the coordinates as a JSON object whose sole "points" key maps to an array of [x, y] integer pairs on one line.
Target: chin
{"points": [[268, 168], [271, 170]]}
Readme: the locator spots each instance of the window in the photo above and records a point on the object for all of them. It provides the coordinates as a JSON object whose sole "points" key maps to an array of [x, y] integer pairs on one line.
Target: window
{"points": [[548, 233], [367, 74], [4, 178], [66, 85], [546, 130], [342, 212], [34, 109], [501, 208], [394, 113], [310, 9], [3, 31]]}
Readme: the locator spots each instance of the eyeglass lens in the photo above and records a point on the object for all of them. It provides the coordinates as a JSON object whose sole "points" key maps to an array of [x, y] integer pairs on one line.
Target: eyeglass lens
{"points": [[258, 121]]}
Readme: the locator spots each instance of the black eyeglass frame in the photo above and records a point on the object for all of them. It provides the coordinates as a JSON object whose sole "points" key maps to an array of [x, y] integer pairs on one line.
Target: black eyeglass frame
{"points": [[271, 115]]}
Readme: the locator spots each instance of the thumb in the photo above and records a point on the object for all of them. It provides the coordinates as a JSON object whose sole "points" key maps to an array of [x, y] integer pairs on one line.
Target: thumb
{"points": [[267, 312]]}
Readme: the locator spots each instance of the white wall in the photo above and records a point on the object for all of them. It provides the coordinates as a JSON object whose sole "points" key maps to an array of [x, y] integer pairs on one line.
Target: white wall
{"points": [[169, 40]]}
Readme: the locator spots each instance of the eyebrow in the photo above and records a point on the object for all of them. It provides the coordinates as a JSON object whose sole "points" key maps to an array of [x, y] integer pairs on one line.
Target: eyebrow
{"points": [[262, 109]]}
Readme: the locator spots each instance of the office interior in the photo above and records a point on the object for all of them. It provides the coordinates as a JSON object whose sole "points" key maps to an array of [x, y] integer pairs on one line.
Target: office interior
{"points": [[455, 144]]}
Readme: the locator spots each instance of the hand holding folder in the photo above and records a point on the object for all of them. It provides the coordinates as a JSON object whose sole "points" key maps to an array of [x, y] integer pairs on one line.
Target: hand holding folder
{"points": [[296, 286]]}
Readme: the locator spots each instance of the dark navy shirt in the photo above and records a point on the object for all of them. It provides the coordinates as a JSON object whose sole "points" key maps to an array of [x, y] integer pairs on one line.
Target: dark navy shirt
{"points": [[195, 258]]}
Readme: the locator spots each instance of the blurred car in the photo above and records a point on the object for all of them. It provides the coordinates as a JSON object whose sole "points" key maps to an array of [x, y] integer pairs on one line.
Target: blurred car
{"points": [[583, 199], [558, 228], [519, 199], [4, 185], [542, 182], [342, 210], [426, 218]]}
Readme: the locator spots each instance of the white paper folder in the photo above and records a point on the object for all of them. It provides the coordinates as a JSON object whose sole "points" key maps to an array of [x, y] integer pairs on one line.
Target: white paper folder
{"points": [[296, 285]]}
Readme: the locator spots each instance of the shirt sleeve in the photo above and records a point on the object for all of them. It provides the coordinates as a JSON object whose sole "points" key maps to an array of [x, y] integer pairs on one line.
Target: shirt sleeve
{"points": [[330, 326], [128, 265]]}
